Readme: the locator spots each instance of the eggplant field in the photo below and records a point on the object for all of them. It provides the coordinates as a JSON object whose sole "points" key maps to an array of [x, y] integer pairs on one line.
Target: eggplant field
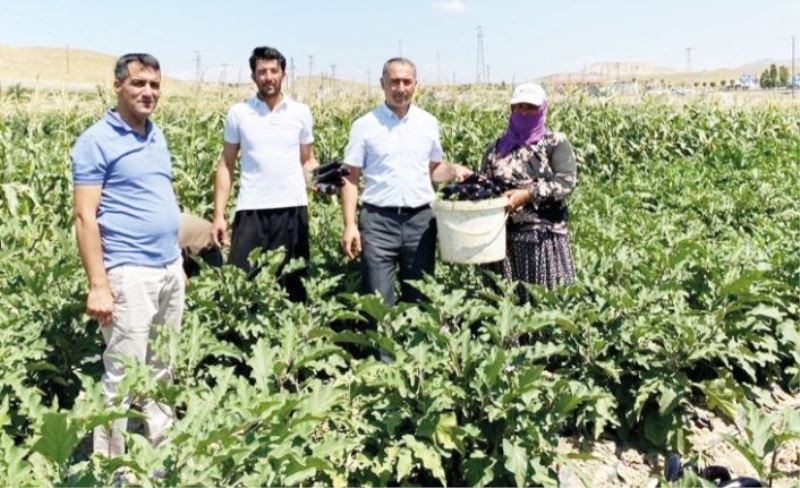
{"points": [[685, 226]]}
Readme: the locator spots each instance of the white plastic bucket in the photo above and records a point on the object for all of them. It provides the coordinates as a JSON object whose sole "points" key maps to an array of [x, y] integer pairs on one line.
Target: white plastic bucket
{"points": [[471, 232]]}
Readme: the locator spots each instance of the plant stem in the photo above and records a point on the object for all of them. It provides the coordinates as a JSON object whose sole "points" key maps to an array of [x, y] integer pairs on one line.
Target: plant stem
{"points": [[770, 476]]}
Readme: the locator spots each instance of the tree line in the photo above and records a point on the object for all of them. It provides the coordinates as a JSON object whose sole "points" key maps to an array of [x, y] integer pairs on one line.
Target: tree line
{"points": [[774, 77]]}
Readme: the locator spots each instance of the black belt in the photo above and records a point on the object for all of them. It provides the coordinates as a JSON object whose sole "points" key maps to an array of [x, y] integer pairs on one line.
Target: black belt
{"points": [[397, 210]]}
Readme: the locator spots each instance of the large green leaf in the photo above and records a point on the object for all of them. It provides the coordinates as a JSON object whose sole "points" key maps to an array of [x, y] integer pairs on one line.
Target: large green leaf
{"points": [[58, 437], [431, 460], [479, 470], [516, 461], [447, 432], [404, 464]]}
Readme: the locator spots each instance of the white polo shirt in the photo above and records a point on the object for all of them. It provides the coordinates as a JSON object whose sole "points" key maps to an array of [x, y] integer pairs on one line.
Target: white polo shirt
{"points": [[394, 155], [269, 151]]}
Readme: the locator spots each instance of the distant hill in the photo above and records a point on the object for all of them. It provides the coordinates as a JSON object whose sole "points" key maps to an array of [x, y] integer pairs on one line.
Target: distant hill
{"points": [[56, 68], [79, 69], [608, 72], [727, 74]]}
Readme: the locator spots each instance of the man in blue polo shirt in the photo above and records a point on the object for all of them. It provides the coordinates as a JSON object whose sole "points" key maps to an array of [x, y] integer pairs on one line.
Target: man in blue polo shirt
{"points": [[126, 221]]}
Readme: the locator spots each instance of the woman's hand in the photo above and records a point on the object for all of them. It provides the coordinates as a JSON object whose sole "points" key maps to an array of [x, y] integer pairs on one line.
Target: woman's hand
{"points": [[516, 199], [460, 172]]}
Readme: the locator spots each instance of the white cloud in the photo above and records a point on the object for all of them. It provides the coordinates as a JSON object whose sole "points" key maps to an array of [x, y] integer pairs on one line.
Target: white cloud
{"points": [[451, 6]]}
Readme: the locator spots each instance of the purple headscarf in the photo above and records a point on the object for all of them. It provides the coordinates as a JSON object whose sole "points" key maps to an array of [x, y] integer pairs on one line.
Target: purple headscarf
{"points": [[523, 130]]}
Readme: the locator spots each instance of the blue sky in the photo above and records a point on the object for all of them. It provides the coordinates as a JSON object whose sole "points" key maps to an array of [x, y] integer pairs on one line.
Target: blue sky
{"points": [[522, 39]]}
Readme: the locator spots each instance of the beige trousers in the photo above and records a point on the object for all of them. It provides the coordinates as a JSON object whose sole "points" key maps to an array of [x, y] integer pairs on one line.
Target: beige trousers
{"points": [[143, 297]]}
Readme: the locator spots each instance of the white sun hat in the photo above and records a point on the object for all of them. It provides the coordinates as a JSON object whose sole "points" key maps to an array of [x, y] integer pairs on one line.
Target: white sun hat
{"points": [[532, 93]]}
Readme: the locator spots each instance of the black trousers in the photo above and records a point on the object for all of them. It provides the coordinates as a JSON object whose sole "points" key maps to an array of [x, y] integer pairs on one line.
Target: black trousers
{"points": [[392, 239], [191, 265], [270, 229]]}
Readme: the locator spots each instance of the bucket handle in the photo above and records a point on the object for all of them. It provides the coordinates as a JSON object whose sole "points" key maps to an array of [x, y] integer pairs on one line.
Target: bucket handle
{"points": [[461, 230]]}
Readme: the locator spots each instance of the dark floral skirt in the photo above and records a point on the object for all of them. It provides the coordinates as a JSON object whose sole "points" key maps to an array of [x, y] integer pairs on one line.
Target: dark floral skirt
{"points": [[536, 256]]}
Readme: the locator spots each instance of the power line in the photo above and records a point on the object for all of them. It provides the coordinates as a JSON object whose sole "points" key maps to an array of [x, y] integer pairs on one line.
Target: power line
{"points": [[197, 71], [291, 76], [438, 68], [480, 62], [792, 73]]}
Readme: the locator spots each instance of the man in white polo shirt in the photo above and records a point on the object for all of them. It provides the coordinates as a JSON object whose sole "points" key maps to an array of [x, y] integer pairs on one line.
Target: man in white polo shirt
{"points": [[397, 148], [272, 135]]}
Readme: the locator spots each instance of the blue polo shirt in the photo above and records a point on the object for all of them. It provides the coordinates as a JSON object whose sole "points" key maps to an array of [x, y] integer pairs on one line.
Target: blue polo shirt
{"points": [[138, 212]]}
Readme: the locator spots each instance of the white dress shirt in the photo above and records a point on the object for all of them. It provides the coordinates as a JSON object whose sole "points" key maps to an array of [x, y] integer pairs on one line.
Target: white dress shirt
{"points": [[394, 155]]}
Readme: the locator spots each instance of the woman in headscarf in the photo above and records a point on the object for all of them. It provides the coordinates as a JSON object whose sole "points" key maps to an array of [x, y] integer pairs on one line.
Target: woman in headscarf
{"points": [[540, 167]]}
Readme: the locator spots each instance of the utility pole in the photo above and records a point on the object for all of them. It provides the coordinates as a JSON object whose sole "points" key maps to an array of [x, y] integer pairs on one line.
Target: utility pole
{"points": [[689, 59], [333, 78], [792, 78], [197, 70], [291, 76], [488, 71], [67, 59], [480, 62], [438, 68], [310, 66]]}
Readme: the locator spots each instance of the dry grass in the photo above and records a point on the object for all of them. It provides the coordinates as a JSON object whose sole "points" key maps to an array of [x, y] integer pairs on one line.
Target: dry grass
{"points": [[56, 68], [48, 66]]}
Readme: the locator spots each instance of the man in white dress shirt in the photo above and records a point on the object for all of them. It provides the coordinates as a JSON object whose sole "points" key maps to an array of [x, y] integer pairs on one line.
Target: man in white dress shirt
{"points": [[397, 148], [272, 136]]}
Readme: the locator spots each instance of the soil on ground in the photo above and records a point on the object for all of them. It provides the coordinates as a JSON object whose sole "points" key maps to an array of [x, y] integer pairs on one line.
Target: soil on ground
{"points": [[610, 464]]}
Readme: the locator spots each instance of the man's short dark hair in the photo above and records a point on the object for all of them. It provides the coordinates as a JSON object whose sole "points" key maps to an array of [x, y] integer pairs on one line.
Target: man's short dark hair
{"points": [[399, 60], [268, 54], [146, 60]]}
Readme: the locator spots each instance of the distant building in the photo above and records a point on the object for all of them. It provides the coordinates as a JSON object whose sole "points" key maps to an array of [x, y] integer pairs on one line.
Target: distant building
{"points": [[623, 88], [747, 81]]}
